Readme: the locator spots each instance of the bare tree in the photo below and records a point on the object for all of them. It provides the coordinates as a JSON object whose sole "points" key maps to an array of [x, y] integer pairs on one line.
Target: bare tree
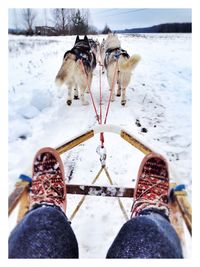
{"points": [[28, 16], [61, 19], [71, 21]]}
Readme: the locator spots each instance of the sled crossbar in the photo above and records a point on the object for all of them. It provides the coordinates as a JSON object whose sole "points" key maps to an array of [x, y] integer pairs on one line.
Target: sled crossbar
{"points": [[91, 190], [106, 191]]}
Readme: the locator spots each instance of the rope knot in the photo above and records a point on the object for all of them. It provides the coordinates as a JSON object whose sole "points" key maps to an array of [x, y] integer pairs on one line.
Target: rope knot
{"points": [[102, 153]]}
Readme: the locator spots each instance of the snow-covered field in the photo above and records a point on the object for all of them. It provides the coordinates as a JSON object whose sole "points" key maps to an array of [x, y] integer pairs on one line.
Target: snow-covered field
{"points": [[159, 97]]}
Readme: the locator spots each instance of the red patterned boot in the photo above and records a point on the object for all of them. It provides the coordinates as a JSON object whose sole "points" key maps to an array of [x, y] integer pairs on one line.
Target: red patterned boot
{"points": [[48, 185], [152, 186]]}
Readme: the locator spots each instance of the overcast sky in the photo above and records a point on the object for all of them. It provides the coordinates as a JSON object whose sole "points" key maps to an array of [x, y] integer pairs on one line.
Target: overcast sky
{"points": [[131, 18], [116, 18]]}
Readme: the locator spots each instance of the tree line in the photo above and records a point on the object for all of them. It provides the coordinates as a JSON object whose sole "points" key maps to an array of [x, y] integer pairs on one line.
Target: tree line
{"points": [[162, 28], [60, 21]]}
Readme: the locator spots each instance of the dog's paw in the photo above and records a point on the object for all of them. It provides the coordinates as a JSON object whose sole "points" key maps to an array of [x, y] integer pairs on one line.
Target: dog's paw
{"points": [[118, 94], [69, 102], [85, 103], [76, 97], [123, 102], [113, 97]]}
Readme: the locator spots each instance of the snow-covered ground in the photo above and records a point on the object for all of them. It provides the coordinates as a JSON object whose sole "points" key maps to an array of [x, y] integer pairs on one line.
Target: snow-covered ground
{"points": [[159, 97]]}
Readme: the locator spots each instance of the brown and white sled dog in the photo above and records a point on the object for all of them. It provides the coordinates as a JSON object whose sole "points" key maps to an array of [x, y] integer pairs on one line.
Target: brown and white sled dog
{"points": [[77, 69], [113, 55]]}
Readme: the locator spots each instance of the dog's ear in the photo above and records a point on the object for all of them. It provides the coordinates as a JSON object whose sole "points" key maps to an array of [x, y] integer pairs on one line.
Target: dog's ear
{"points": [[77, 39], [86, 39]]}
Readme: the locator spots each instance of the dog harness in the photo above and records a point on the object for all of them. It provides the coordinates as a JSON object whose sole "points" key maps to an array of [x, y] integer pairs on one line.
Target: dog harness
{"points": [[115, 53], [84, 54]]}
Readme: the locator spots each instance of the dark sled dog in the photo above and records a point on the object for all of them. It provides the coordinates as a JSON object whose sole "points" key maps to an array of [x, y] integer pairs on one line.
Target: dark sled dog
{"points": [[77, 69]]}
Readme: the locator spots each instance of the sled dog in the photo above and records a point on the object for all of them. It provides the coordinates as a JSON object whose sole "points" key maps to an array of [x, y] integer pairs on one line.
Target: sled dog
{"points": [[120, 73], [77, 69], [95, 47]]}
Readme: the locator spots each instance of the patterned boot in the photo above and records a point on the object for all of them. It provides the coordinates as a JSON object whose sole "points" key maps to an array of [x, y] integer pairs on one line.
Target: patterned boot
{"points": [[152, 186], [48, 185]]}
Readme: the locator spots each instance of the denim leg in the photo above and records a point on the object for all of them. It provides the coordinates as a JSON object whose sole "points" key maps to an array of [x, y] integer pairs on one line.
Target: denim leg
{"points": [[149, 235], [44, 232]]}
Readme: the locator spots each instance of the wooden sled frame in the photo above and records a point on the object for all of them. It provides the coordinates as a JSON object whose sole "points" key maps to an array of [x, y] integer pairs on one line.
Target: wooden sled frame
{"points": [[104, 128], [179, 205]]}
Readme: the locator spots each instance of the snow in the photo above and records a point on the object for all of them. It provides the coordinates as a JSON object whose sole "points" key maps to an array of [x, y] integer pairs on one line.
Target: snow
{"points": [[158, 111]]}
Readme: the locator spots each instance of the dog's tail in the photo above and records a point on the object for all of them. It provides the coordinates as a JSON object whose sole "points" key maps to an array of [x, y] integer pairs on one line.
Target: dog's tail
{"points": [[60, 77], [59, 81], [129, 64], [66, 70]]}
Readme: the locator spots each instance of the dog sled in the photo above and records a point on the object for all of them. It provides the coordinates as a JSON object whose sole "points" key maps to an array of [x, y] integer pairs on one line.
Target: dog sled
{"points": [[180, 208]]}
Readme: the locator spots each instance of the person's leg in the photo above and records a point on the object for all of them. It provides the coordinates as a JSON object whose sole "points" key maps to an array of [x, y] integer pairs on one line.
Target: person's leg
{"points": [[149, 233], [45, 232]]}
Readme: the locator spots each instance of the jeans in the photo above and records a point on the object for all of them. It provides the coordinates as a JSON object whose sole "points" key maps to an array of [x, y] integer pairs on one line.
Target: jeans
{"points": [[45, 232]]}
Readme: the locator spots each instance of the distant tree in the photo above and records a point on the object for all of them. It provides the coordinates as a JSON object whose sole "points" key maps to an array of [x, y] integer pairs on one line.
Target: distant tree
{"points": [[61, 20], [28, 17], [106, 30], [79, 21], [72, 21], [92, 29]]}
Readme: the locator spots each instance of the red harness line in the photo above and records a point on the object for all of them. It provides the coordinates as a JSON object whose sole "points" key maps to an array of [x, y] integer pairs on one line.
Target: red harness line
{"points": [[111, 91], [99, 116], [100, 106], [93, 103]]}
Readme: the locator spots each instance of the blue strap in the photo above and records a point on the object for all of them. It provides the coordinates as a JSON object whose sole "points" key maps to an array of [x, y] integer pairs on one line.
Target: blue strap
{"points": [[117, 55], [25, 177], [179, 187]]}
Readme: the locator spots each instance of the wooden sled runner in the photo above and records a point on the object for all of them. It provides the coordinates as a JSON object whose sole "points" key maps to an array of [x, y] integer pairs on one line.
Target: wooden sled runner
{"points": [[180, 208]]}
